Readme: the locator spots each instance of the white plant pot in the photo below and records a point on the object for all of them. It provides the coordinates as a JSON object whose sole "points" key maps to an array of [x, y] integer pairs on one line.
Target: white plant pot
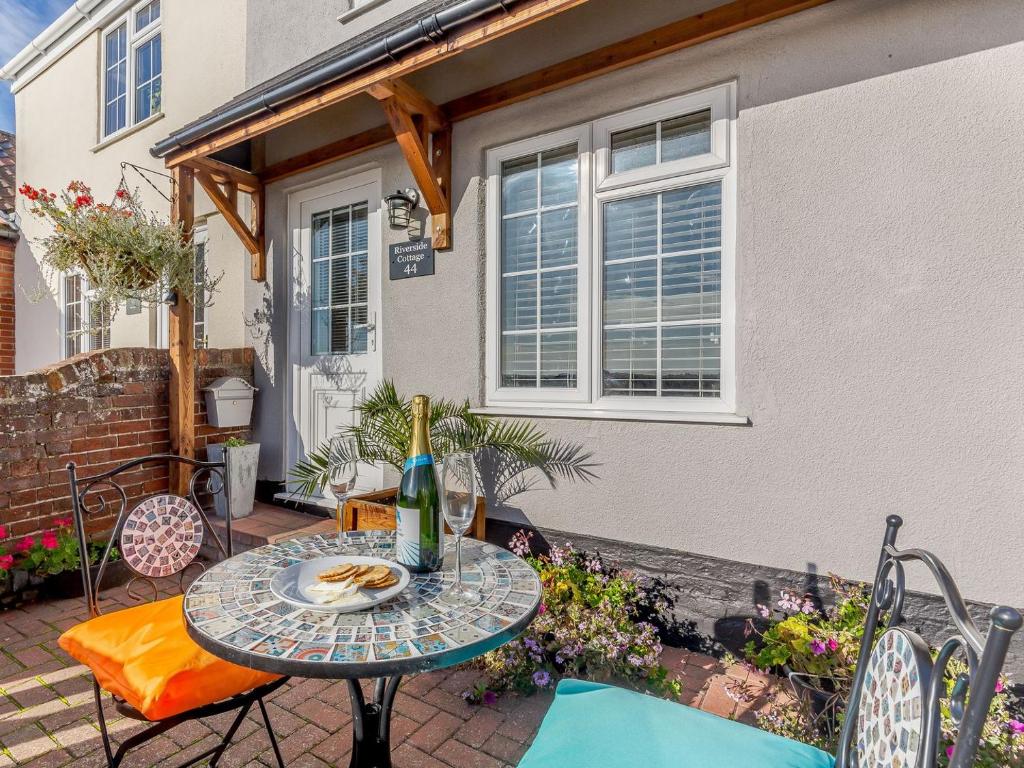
{"points": [[242, 461]]}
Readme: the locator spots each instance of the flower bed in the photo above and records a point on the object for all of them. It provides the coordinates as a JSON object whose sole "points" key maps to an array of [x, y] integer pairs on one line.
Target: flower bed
{"points": [[595, 622]]}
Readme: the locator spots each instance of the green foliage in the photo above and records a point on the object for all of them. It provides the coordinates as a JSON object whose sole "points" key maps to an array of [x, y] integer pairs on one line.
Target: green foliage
{"points": [[822, 646], [383, 430], [125, 251], [235, 442], [53, 551], [592, 624]]}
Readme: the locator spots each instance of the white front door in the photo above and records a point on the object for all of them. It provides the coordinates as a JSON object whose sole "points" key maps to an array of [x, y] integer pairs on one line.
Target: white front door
{"points": [[335, 310]]}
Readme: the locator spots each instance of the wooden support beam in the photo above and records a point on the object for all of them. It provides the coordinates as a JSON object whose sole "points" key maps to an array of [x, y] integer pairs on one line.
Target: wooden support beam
{"points": [[471, 36], [410, 141], [181, 405], [414, 102], [223, 173], [685, 33], [441, 163], [328, 153], [229, 212], [257, 210]]}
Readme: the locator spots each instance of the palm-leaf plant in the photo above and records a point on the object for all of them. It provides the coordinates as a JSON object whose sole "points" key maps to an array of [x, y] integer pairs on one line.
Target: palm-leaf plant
{"points": [[511, 455]]}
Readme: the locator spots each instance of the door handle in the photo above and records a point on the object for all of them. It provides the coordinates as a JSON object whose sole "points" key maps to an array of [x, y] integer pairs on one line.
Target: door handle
{"points": [[371, 333]]}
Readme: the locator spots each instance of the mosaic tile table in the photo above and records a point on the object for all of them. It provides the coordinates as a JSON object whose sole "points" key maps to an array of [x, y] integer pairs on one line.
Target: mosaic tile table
{"points": [[231, 612]]}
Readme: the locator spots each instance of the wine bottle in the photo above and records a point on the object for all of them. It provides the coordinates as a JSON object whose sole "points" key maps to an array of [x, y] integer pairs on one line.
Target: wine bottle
{"points": [[419, 527]]}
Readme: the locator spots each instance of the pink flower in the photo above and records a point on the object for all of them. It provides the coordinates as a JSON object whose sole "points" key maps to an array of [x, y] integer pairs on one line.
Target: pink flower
{"points": [[817, 647], [6, 561], [63, 522], [3, 532], [541, 610], [763, 611], [1017, 726], [949, 751], [999, 685], [25, 544], [49, 540], [832, 644]]}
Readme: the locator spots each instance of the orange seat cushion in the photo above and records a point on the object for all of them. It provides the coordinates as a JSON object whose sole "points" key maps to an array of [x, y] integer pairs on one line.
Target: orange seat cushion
{"points": [[145, 656]]}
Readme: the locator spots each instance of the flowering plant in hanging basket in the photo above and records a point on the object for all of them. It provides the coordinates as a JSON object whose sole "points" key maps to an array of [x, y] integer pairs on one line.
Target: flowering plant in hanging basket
{"points": [[123, 250]]}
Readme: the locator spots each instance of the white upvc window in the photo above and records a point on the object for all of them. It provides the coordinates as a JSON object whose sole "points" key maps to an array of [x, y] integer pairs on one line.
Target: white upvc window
{"points": [[199, 325], [85, 324], [611, 264], [132, 71]]}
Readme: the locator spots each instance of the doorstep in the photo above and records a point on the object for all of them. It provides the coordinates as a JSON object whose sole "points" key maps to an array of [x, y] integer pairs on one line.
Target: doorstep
{"points": [[268, 524]]}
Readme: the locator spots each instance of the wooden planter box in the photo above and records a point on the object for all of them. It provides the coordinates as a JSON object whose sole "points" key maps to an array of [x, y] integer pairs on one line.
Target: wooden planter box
{"points": [[376, 511]]}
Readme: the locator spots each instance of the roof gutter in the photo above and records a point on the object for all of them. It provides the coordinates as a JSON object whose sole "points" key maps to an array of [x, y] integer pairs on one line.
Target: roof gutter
{"points": [[40, 45], [430, 29]]}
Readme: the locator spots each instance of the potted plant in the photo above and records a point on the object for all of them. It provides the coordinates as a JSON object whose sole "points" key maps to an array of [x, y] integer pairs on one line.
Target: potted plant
{"points": [[48, 565], [125, 252], [512, 456], [242, 458]]}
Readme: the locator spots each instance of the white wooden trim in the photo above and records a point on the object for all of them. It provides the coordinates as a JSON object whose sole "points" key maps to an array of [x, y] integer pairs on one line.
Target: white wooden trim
{"points": [[597, 186]]}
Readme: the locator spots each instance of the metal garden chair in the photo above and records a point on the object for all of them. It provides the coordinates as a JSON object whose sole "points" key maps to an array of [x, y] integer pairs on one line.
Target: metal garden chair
{"points": [[142, 655], [892, 717]]}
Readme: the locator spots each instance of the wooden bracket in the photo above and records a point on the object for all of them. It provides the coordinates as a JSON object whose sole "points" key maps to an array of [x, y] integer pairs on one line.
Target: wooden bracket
{"points": [[430, 168], [412, 100], [227, 205], [223, 173]]}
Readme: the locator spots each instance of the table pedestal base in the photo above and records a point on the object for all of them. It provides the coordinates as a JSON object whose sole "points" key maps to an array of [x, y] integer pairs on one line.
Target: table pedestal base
{"points": [[371, 723]]}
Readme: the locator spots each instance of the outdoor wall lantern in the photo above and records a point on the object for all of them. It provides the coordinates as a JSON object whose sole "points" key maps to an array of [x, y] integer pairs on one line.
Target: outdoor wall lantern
{"points": [[400, 206]]}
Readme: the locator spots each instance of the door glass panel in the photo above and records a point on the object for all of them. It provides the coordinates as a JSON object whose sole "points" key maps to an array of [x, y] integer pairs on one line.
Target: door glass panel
{"points": [[338, 284]]}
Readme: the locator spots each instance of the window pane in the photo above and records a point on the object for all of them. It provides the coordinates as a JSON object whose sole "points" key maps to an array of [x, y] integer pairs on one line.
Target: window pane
{"points": [[558, 359], [631, 292], [143, 101], [631, 228], [519, 303], [519, 184], [690, 361], [519, 360], [359, 230], [558, 299], [147, 15], [340, 234], [519, 244], [692, 218], [321, 288], [339, 330], [115, 79], [321, 235], [691, 286], [359, 276], [339, 280], [558, 237], [630, 362], [321, 331], [686, 136], [634, 148], [558, 176], [358, 331]]}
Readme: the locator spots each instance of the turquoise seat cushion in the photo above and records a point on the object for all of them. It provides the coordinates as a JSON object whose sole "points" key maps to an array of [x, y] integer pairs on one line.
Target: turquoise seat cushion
{"points": [[591, 725]]}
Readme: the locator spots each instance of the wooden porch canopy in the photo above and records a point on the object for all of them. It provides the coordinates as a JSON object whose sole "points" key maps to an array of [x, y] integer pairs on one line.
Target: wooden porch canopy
{"points": [[421, 128]]}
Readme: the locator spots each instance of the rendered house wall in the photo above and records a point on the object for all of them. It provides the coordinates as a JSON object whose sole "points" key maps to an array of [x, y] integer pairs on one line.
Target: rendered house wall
{"points": [[878, 303]]}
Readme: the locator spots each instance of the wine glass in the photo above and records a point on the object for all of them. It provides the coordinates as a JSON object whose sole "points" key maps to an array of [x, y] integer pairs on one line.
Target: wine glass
{"points": [[458, 502], [342, 470]]}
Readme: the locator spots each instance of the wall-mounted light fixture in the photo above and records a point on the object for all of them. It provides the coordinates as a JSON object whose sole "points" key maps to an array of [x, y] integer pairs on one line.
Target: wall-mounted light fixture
{"points": [[400, 205]]}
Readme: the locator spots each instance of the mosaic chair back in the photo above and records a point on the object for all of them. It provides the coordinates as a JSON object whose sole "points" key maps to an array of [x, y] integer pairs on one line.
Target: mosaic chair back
{"points": [[892, 716], [893, 713], [158, 537]]}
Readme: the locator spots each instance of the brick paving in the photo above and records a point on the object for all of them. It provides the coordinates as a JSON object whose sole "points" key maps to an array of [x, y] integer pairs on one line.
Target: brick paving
{"points": [[47, 717]]}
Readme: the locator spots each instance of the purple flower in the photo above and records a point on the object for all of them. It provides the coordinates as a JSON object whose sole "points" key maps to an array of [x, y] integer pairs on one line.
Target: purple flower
{"points": [[949, 751], [817, 647], [763, 611], [541, 678], [1016, 726], [490, 698], [999, 685]]}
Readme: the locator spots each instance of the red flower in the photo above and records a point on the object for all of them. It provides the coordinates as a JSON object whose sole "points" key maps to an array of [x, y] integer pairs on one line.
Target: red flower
{"points": [[61, 522], [25, 544], [83, 200], [49, 540], [121, 193], [6, 561], [29, 191], [3, 532]]}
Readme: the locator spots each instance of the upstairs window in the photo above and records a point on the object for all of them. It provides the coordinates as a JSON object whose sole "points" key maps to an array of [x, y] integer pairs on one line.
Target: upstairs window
{"points": [[132, 68], [610, 263]]}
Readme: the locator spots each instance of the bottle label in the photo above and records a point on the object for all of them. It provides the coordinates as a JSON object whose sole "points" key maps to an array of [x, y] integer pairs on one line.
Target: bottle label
{"points": [[418, 461], [407, 525]]}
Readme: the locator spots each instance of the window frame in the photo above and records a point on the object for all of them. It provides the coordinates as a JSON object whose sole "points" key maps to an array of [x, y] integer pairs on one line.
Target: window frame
{"points": [[85, 333], [134, 40], [495, 158], [200, 237], [597, 186]]}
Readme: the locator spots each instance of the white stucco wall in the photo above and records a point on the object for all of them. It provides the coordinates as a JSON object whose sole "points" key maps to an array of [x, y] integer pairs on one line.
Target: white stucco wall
{"points": [[880, 295], [57, 117]]}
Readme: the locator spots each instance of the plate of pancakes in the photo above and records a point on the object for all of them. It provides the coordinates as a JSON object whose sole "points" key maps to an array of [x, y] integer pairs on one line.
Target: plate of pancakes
{"points": [[340, 584]]}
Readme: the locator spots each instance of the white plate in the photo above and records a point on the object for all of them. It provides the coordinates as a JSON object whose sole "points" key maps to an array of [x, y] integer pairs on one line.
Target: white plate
{"points": [[290, 584]]}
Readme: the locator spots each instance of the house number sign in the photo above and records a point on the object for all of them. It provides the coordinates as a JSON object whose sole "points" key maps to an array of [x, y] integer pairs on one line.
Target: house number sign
{"points": [[414, 258]]}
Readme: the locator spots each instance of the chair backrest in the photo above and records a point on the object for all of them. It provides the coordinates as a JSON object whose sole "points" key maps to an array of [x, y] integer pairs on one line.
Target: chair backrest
{"points": [[158, 537], [892, 715]]}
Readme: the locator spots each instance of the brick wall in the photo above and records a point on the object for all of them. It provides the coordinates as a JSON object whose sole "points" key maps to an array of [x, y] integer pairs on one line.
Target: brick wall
{"points": [[97, 409], [7, 246]]}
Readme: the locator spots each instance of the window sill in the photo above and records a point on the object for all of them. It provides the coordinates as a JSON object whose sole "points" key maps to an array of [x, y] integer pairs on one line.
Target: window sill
{"points": [[116, 137], [358, 10], [560, 412]]}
